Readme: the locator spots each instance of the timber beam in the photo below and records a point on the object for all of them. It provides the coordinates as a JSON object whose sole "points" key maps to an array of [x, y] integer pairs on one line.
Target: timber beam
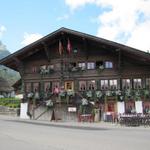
{"points": [[85, 48], [119, 59], [46, 49], [20, 65]]}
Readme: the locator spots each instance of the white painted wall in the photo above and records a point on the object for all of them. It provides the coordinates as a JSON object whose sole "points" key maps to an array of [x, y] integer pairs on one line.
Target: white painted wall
{"points": [[138, 107], [23, 111], [121, 107], [96, 117]]}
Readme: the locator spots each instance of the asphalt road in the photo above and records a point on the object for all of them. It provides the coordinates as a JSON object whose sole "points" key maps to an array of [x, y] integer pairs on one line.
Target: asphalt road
{"points": [[19, 135]]}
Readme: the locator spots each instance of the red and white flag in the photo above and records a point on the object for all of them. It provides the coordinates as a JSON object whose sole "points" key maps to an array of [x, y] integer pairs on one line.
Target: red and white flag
{"points": [[69, 47]]}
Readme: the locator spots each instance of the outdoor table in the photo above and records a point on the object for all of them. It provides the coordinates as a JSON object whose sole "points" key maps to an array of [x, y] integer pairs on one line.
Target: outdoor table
{"points": [[86, 118]]}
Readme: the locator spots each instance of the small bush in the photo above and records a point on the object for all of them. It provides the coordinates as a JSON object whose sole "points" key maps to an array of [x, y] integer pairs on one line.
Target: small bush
{"points": [[10, 102]]}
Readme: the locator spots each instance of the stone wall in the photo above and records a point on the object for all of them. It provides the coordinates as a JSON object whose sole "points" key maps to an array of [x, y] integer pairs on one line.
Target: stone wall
{"points": [[61, 113], [8, 111]]}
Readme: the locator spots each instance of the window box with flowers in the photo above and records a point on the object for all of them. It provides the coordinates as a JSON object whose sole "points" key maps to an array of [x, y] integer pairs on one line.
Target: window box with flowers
{"points": [[44, 70], [70, 93], [49, 104], [100, 68], [111, 95], [146, 94], [62, 96], [89, 94], [99, 94], [30, 95]]}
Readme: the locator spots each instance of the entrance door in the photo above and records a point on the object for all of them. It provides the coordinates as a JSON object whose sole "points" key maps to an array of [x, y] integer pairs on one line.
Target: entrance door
{"points": [[69, 85], [129, 107], [111, 107]]}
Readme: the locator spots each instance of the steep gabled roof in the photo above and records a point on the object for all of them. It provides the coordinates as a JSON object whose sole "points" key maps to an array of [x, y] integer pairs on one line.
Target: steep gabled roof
{"points": [[145, 57]]}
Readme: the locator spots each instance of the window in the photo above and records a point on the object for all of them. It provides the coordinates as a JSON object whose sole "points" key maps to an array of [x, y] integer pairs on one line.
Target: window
{"points": [[113, 84], [28, 87], [137, 83], [69, 85], [126, 84], [108, 64], [50, 67], [75, 50], [47, 86], [57, 66], [99, 64], [91, 85], [104, 84], [148, 83], [90, 65], [82, 85], [35, 87], [55, 84], [43, 67], [34, 69], [82, 66], [73, 64]]}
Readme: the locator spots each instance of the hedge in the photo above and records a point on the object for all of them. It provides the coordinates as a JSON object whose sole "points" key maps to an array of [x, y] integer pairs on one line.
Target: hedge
{"points": [[10, 102]]}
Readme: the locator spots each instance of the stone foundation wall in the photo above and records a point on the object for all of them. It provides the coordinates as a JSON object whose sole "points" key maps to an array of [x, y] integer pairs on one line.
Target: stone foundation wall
{"points": [[8, 111], [61, 113]]}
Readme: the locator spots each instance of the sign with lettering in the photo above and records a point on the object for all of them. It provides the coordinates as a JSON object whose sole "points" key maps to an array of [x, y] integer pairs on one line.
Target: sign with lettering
{"points": [[72, 109]]}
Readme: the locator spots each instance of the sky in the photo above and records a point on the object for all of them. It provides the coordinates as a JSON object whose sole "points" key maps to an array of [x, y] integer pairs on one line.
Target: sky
{"points": [[123, 21]]}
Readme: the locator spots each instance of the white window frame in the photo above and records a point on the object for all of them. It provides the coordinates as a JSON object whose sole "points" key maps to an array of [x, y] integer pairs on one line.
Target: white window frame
{"points": [[126, 83], [113, 84], [90, 65], [82, 65], [80, 85], [104, 84], [108, 64], [91, 85], [137, 83], [147, 82]]}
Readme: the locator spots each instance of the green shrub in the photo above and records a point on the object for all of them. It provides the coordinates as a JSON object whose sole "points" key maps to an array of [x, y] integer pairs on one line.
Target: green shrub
{"points": [[10, 102]]}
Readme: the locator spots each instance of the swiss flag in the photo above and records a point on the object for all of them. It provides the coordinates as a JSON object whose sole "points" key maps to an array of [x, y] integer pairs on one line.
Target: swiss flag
{"points": [[69, 47]]}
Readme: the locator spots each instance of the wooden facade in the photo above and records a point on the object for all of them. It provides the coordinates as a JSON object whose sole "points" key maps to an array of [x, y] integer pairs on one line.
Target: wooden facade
{"points": [[78, 62]]}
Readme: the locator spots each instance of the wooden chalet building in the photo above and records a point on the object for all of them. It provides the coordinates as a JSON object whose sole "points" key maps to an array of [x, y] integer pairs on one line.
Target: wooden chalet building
{"points": [[68, 65]]}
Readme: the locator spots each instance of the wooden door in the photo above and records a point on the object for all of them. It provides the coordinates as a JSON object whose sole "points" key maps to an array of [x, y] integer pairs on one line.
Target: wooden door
{"points": [[111, 106]]}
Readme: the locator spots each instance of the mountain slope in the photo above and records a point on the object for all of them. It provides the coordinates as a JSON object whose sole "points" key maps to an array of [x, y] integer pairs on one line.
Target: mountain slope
{"points": [[3, 51], [10, 75]]}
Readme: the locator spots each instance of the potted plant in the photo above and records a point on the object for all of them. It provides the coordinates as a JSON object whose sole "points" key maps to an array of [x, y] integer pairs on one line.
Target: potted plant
{"points": [[89, 94], [62, 95], [100, 68], [99, 94]]}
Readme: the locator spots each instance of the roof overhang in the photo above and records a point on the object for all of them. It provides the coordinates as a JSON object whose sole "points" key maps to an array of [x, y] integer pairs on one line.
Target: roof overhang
{"points": [[12, 60]]}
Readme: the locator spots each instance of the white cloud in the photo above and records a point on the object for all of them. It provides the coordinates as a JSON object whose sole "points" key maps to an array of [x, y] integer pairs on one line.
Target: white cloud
{"points": [[2, 30], [64, 17], [30, 38], [73, 4], [140, 37], [126, 21]]}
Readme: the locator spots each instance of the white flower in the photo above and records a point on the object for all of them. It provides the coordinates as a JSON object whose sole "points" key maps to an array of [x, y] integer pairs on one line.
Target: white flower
{"points": [[84, 101]]}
